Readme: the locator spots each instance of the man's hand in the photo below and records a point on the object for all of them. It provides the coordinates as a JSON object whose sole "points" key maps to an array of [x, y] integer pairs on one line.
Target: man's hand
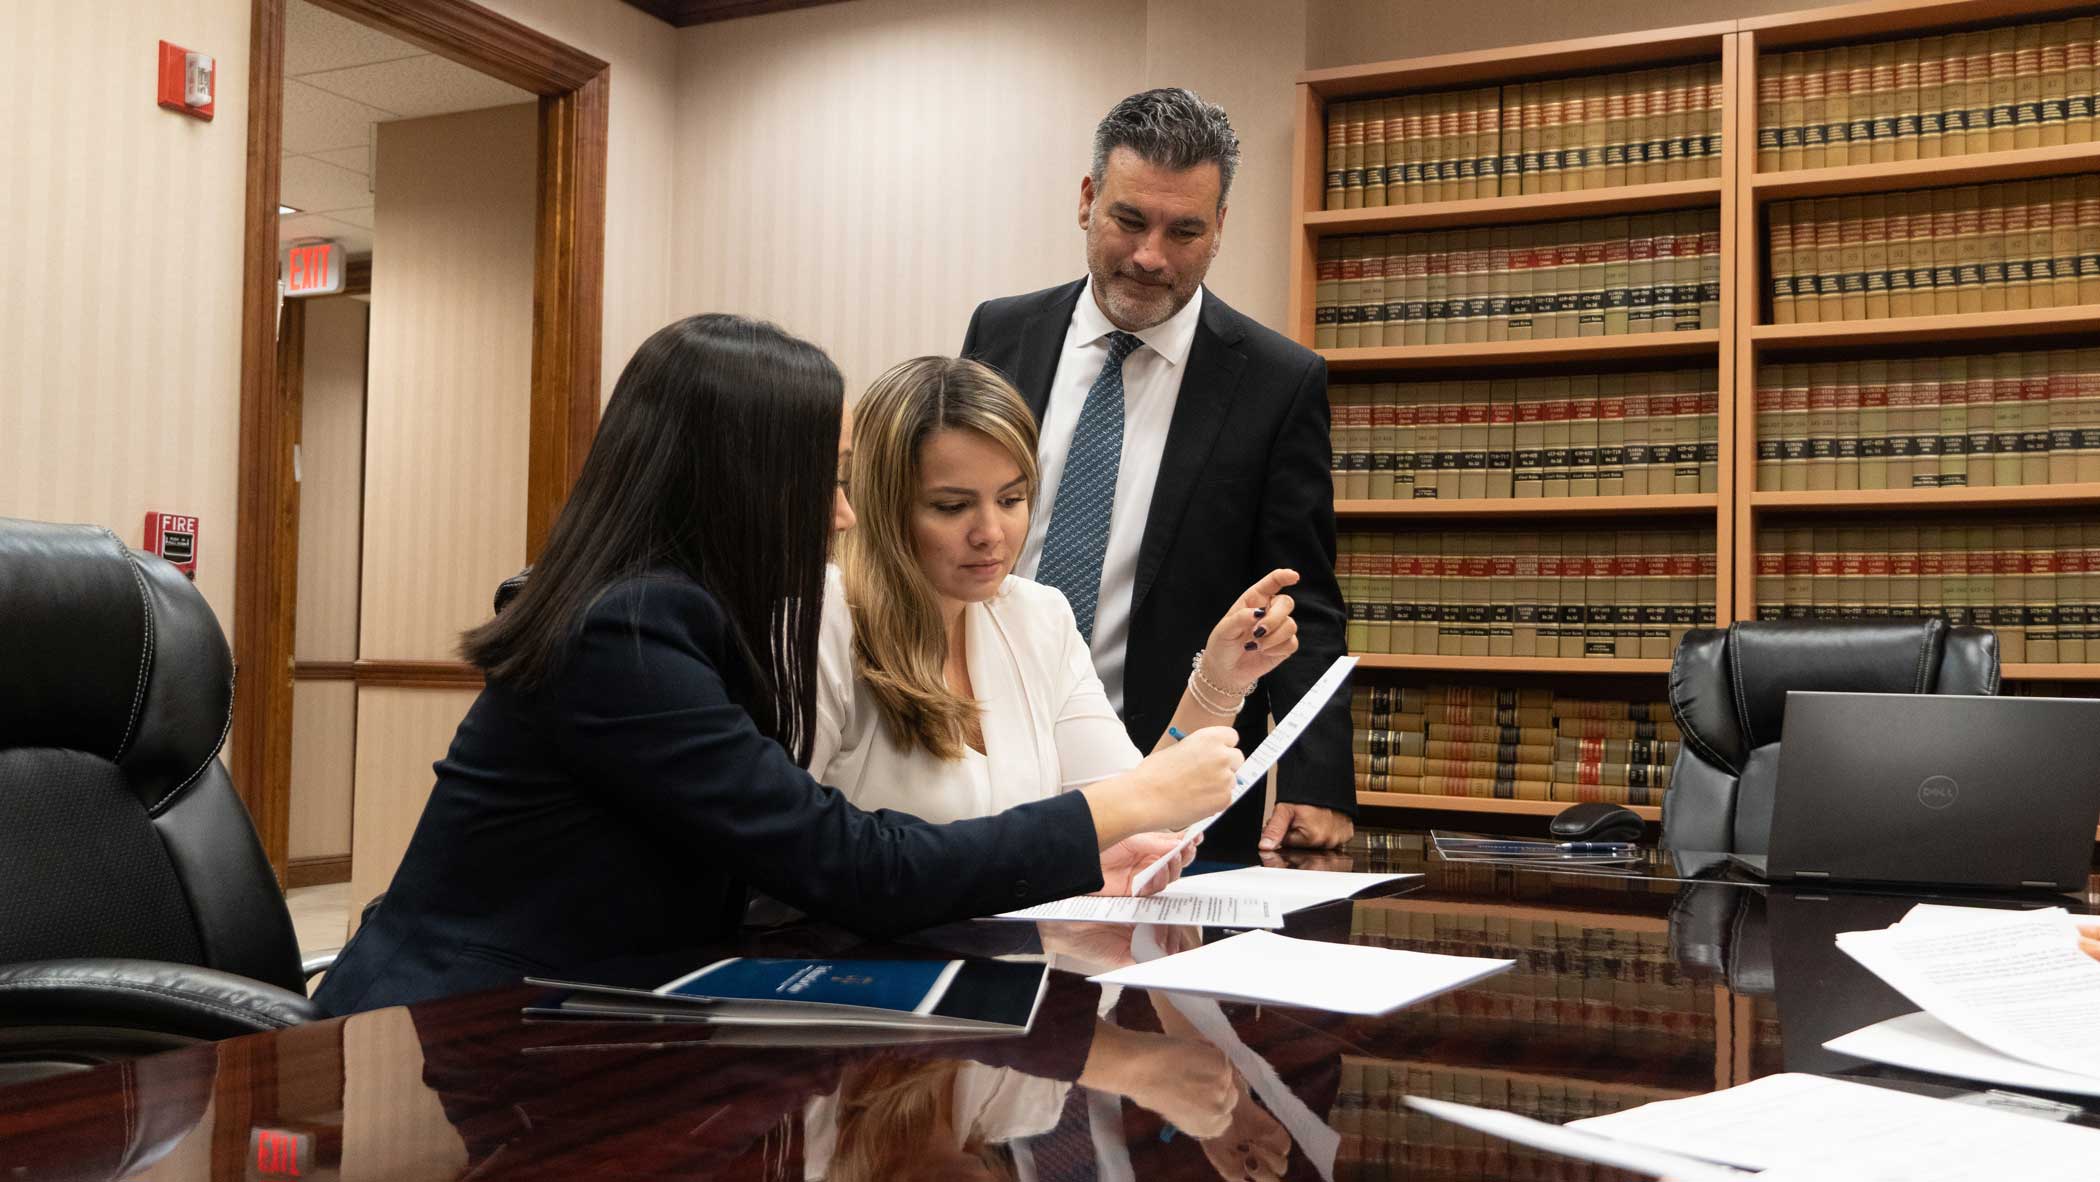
{"points": [[1306, 825], [2089, 940]]}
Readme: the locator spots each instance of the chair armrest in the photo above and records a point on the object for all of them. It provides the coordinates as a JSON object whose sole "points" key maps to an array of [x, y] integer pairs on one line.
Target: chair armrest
{"points": [[320, 962], [147, 995]]}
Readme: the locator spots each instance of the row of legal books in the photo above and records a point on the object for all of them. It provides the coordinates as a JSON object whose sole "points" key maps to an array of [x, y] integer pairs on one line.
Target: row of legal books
{"points": [[1920, 98], [1457, 741], [1568, 971], [1614, 434], [1526, 592], [1657, 272], [1975, 248], [1539, 137], [2034, 581], [1383, 1140], [2016, 418]]}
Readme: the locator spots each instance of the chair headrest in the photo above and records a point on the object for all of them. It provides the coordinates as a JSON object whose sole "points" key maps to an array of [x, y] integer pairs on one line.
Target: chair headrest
{"points": [[1879, 656], [109, 652]]}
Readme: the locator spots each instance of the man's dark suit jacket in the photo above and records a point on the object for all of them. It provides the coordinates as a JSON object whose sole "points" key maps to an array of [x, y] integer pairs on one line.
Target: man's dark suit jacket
{"points": [[620, 808], [1244, 487]]}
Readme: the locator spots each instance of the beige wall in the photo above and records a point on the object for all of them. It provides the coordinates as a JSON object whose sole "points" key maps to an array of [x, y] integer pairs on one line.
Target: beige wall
{"points": [[331, 518], [1354, 32], [866, 173], [449, 392], [400, 733], [120, 227]]}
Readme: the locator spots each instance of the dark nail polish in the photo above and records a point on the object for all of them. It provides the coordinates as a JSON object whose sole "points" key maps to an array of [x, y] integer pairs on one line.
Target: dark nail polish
{"points": [[1260, 612], [1261, 632], [1250, 646]]}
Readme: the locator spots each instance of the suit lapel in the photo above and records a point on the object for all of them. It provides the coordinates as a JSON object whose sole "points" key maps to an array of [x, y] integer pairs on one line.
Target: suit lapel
{"points": [[1200, 412], [1042, 339]]}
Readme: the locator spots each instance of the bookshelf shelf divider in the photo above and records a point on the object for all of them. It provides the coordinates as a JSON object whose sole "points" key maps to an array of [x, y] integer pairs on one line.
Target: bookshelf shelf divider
{"points": [[1532, 207], [1701, 344], [1680, 504], [1482, 804]]}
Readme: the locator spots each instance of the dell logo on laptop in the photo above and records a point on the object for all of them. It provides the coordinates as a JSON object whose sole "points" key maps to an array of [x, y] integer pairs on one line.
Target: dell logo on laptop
{"points": [[1937, 792]]}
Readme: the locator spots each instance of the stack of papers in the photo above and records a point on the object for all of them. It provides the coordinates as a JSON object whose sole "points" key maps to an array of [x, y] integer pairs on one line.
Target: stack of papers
{"points": [[1793, 1128], [2006, 996], [1250, 897], [1265, 968]]}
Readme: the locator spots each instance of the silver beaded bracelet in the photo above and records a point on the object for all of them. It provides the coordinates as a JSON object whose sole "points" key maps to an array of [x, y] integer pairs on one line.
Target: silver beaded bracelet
{"points": [[1199, 682]]}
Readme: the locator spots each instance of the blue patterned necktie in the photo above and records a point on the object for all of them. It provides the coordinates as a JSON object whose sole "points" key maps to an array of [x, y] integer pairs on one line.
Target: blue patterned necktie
{"points": [[1077, 540]]}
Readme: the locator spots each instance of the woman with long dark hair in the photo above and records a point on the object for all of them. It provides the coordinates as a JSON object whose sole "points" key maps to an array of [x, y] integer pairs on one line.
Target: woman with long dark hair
{"points": [[633, 763]]}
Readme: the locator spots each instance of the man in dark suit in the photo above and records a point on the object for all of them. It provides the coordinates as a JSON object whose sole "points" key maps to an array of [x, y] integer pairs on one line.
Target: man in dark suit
{"points": [[1184, 454]]}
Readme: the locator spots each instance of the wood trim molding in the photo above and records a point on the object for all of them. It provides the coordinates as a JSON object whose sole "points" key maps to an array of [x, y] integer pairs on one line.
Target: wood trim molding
{"points": [[357, 275], [568, 311], [317, 871], [266, 536], [416, 674], [479, 39], [568, 302], [323, 670]]}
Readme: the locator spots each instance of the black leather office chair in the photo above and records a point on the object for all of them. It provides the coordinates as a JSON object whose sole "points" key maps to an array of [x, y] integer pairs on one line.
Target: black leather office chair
{"points": [[137, 909], [1728, 694]]}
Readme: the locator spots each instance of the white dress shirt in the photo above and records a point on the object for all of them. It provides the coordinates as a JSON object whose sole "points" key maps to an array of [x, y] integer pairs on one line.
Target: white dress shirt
{"points": [[1047, 726], [1151, 384]]}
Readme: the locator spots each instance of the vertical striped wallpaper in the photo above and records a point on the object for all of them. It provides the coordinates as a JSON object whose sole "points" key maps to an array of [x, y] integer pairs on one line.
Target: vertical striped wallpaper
{"points": [[400, 733], [866, 174], [324, 744], [331, 467], [449, 388], [120, 231]]}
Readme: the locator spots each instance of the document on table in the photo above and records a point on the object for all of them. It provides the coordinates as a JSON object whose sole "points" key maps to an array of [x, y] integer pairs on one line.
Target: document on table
{"points": [[1569, 1142], [1921, 1042], [1263, 757], [1807, 1126], [1224, 911], [2019, 986], [1266, 968], [1289, 890]]}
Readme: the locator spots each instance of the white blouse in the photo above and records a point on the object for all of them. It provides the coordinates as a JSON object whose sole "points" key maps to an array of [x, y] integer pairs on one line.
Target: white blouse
{"points": [[1048, 727]]}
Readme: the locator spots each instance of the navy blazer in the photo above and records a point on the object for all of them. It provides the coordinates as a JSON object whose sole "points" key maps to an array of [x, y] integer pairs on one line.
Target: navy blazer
{"points": [[1244, 487], [621, 808]]}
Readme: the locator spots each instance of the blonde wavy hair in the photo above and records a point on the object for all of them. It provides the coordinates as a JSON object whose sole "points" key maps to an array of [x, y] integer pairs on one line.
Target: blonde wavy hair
{"points": [[891, 1110], [900, 644]]}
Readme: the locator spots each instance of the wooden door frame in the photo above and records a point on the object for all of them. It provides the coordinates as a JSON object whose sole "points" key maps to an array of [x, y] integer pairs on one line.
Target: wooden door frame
{"points": [[568, 302]]}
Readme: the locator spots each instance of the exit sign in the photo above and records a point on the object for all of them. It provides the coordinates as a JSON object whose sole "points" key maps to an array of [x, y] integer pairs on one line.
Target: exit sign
{"points": [[313, 268]]}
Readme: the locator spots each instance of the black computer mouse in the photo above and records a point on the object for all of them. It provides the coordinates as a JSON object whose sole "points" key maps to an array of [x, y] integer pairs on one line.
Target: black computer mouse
{"points": [[1597, 821]]}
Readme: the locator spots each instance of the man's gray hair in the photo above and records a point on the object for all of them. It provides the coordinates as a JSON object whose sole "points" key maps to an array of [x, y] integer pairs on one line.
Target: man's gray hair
{"points": [[1172, 128]]}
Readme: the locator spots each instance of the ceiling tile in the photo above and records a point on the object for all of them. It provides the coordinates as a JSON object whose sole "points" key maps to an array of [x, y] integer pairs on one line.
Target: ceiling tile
{"points": [[419, 86], [317, 121], [360, 216], [311, 225], [357, 160], [318, 40], [308, 184]]}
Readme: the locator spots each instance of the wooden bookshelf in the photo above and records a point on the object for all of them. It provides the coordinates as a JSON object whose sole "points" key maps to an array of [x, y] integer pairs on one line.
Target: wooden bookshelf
{"points": [[1665, 504], [1881, 500], [1432, 662], [1587, 55], [1530, 207], [1978, 168], [2039, 671], [2025, 324], [1603, 350], [1480, 804], [1602, 919]]}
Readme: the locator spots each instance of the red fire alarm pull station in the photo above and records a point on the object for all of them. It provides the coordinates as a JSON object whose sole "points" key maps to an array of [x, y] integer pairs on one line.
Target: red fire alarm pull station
{"points": [[188, 81], [173, 537]]}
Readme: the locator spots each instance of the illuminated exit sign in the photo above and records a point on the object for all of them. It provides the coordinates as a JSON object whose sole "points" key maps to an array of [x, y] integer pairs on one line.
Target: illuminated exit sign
{"points": [[313, 268]]}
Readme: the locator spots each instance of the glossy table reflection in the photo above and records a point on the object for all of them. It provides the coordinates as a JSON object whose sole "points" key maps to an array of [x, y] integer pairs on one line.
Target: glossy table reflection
{"points": [[1627, 989]]}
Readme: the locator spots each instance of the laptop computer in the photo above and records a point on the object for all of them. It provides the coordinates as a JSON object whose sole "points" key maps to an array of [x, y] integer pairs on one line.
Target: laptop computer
{"points": [[1938, 789]]}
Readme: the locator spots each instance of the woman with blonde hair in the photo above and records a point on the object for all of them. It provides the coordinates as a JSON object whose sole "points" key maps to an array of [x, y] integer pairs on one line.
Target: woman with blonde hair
{"points": [[947, 687]]}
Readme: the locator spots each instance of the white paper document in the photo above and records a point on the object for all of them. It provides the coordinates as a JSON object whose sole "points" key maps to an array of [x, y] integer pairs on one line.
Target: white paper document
{"points": [[1225, 911], [1800, 1127], [1289, 890], [1266, 968], [1570, 1142], [1263, 757], [1921, 1042], [2019, 986]]}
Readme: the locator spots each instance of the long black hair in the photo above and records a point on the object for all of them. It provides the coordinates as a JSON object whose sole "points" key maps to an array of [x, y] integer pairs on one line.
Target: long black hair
{"points": [[716, 456]]}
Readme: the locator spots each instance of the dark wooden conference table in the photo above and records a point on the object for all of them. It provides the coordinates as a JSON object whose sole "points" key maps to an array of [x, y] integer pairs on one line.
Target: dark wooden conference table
{"points": [[1626, 989]]}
